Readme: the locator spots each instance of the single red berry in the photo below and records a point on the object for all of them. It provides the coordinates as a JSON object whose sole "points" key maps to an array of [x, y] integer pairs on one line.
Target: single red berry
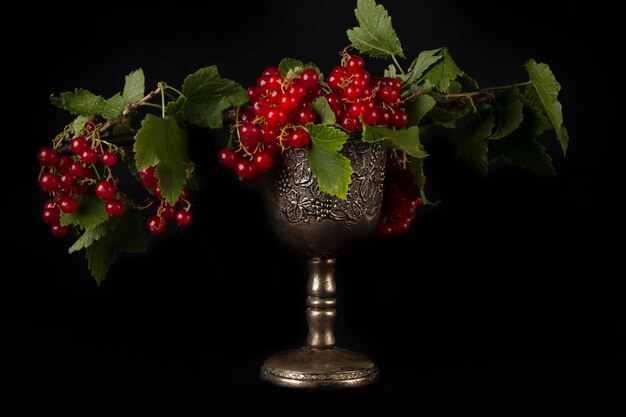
{"points": [[59, 231], [114, 208], [80, 189], [357, 109], [333, 99], [184, 218], [389, 95], [392, 83], [89, 156], [288, 101], [355, 63], [147, 178], [47, 157], [275, 117], [339, 110], [349, 123], [79, 145], [352, 92], [384, 118], [264, 160], [273, 96], [297, 88], [271, 71], [246, 170], [399, 119], [108, 159], [247, 115], [227, 158], [68, 204], [259, 106], [51, 214], [156, 225], [91, 125], [183, 197], [268, 134], [371, 117], [310, 78], [63, 164], [167, 212], [49, 182], [76, 170], [306, 115], [66, 181], [254, 93], [105, 190], [299, 138], [401, 226]]}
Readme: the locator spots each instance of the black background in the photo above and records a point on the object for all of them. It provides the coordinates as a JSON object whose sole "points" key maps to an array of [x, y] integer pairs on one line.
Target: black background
{"points": [[509, 288]]}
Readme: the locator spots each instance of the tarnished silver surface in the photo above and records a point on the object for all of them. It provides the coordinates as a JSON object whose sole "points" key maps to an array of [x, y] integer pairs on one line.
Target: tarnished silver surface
{"points": [[316, 223], [320, 225]]}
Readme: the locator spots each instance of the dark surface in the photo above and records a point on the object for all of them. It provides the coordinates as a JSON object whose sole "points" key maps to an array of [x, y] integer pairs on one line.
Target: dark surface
{"points": [[509, 288]]}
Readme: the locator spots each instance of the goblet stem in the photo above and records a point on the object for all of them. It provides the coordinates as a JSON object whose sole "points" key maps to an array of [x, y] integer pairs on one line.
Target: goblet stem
{"points": [[321, 303]]}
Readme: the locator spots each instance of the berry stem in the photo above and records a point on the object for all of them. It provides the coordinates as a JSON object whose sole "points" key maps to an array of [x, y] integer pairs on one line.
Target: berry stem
{"points": [[162, 88], [395, 61], [168, 87], [156, 106]]}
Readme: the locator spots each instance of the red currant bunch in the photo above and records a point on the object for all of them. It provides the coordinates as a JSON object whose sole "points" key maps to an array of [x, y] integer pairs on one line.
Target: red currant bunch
{"points": [[67, 175], [276, 119], [401, 198], [356, 96], [165, 213]]}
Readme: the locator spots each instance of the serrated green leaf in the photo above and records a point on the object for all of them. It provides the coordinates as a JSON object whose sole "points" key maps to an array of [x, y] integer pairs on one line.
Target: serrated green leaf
{"points": [[333, 170], [322, 108], [80, 102], [112, 108], [405, 140], [90, 213], [128, 236], [390, 72], [546, 89], [447, 117], [419, 107], [421, 64], [79, 124], [162, 142], [509, 113], [134, 87], [473, 146], [563, 138], [443, 72], [175, 108], [455, 87], [291, 68], [417, 168], [208, 95], [521, 148], [375, 35], [93, 234]]}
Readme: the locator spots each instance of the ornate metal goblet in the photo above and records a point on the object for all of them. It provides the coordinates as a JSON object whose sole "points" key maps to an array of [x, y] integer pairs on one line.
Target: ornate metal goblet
{"points": [[319, 225]]}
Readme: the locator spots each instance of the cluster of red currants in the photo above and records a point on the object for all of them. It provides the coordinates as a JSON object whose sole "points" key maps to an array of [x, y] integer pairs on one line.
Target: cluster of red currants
{"points": [[401, 199], [279, 110], [65, 177], [157, 224], [355, 95]]}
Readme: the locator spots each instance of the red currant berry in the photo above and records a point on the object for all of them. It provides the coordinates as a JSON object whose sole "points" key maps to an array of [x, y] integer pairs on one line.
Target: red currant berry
{"points": [[306, 115], [263, 160], [399, 119], [389, 95], [168, 212], [246, 170], [59, 231], [79, 145], [333, 99], [352, 92], [271, 71], [66, 181], [254, 93], [49, 182], [80, 189], [273, 96], [51, 214], [105, 190], [108, 159], [183, 197], [247, 115], [371, 116], [288, 101], [114, 208], [47, 157], [297, 88], [227, 158], [384, 118], [275, 117], [184, 218], [89, 156], [355, 63], [299, 138], [356, 109], [76, 170], [392, 83], [147, 178], [156, 225], [310, 78], [349, 123], [68, 204], [268, 134], [401, 226], [63, 165], [249, 135]]}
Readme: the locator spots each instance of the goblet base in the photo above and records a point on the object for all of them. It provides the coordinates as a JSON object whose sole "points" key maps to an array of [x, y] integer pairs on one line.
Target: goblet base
{"points": [[319, 368]]}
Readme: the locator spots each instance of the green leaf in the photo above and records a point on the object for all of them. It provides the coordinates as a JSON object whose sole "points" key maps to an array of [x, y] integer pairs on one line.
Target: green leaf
{"points": [[521, 148], [112, 108], [134, 87], [162, 142], [80, 102], [333, 170], [447, 117], [417, 167], [563, 138], [421, 64], [473, 146], [93, 234], [405, 140], [175, 108], [79, 124], [375, 34], [90, 213], [390, 72], [443, 72], [208, 95], [509, 113], [291, 68], [128, 236], [419, 107], [547, 88], [322, 108]]}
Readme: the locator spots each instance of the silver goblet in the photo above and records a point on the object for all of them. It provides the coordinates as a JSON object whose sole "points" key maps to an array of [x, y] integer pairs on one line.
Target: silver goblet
{"points": [[319, 226]]}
